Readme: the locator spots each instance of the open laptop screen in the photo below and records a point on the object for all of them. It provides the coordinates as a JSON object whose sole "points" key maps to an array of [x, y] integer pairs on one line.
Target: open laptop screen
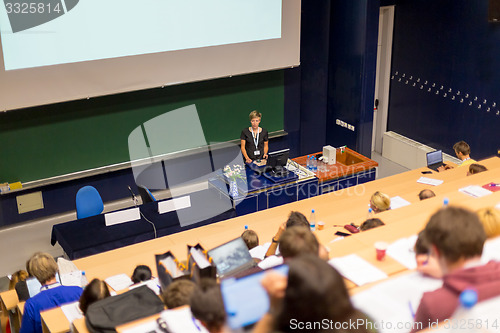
{"points": [[245, 300], [230, 256], [434, 157]]}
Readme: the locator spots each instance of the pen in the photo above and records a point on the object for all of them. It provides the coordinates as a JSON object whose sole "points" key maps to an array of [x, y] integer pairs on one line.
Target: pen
{"points": [[195, 324], [411, 310]]}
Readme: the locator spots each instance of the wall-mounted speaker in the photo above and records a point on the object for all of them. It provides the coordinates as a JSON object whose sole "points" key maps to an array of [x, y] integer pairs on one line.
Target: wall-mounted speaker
{"points": [[494, 11]]}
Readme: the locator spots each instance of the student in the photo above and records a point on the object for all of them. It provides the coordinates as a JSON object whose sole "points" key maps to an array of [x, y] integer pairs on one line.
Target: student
{"points": [[456, 239], [141, 273], [426, 194], [313, 292], [250, 238], [380, 202], [44, 268], [298, 240], [490, 219], [462, 150], [294, 219], [93, 292], [370, 224], [178, 293], [207, 306], [426, 264], [17, 277], [476, 168]]}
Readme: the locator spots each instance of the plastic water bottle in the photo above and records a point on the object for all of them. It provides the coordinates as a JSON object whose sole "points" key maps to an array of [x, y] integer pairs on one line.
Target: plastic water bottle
{"points": [[446, 201], [370, 213], [84, 280], [468, 298], [308, 162], [314, 164], [312, 220], [246, 227]]}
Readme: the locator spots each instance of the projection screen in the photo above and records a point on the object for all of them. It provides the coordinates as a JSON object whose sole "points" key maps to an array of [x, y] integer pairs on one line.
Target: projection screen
{"points": [[61, 50]]}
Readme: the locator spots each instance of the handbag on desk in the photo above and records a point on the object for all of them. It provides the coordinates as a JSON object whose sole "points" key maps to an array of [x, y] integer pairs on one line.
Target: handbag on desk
{"points": [[200, 264], [105, 315]]}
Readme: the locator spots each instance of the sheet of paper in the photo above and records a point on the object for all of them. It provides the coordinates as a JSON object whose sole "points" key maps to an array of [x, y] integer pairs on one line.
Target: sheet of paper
{"points": [[174, 204], [200, 258], [153, 284], [403, 252], [270, 261], [259, 252], [357, 270], [395, 300], [72, 311], [71, 279], [119, 282], [429, 181], [181, 320], [123, 216], [65, 266], [491, 250], [475, 191], [398, 202]]}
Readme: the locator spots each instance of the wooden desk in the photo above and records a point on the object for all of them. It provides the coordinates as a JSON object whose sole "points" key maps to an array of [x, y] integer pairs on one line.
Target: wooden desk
{"points": [[54, 321], [79, 326], [8, 303], [336, 208]]}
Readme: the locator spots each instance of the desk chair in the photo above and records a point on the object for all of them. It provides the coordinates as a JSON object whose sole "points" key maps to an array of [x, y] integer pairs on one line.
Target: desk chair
{"points": [[145, 194], [88, 202]]}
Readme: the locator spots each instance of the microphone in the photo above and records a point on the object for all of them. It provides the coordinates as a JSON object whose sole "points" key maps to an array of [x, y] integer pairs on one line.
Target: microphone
{"points": [[136, 203], [134, 198]]}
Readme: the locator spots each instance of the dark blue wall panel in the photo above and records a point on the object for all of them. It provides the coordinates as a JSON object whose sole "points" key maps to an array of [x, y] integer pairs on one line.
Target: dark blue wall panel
{"points": [[352, 66], [445, 83], [315, 40]]}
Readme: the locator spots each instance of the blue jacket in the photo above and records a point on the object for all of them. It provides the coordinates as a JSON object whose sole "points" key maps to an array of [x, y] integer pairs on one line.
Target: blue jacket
{"points": [[46, 299]]}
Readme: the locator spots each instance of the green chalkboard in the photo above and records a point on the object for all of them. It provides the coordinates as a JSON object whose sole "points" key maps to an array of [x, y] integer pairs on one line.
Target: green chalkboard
{"points": [[58, 139]]}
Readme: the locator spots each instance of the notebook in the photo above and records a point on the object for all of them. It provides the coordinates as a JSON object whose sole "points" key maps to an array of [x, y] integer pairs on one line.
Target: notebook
{"points": [[231, 258], [435, 160]]}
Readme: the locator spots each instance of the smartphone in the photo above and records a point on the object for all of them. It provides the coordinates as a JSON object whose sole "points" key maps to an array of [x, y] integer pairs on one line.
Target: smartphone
{"points": [[426, 172], [343, 234]]}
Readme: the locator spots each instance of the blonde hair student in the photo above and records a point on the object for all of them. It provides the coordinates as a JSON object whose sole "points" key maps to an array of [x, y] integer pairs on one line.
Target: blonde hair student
{"points": [[380, 202], [490, 219]]}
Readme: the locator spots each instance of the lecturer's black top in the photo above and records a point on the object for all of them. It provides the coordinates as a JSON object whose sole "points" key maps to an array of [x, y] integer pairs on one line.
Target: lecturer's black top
{"points": [[250, 143]]}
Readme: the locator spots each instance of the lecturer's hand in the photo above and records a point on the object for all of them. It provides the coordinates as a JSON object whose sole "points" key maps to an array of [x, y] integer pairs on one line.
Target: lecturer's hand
{"points": [[264, 157], [248, 160]]}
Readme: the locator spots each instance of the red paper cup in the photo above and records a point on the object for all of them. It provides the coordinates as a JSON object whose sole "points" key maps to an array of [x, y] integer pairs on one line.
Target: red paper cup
{"points": [[381, 248]]}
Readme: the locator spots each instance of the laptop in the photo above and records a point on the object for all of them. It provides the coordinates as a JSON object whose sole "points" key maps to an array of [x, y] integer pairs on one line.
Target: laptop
{"points": [[435, 160], [232, 258]]}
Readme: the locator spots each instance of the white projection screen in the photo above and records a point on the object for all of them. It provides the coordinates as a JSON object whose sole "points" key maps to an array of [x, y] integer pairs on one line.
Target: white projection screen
{"points": [[61, 50]]}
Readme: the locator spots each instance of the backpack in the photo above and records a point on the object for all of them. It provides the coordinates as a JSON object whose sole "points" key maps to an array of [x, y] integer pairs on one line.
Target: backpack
{"points": [[105, 315]]}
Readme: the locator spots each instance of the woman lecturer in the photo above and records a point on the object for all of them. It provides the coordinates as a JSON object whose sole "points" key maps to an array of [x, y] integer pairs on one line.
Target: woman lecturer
{"points": [[254, 139]]}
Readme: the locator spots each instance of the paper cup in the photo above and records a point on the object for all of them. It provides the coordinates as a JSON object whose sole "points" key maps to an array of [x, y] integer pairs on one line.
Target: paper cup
{"points": [[321, 225], [381, 248]]}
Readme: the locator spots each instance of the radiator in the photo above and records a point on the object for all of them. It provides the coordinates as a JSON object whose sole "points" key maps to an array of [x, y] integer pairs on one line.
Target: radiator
{"points": [[407, 152]]}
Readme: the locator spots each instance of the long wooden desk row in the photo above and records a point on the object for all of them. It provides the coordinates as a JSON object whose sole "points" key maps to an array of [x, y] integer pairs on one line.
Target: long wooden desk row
{"points": [[335, 208]]}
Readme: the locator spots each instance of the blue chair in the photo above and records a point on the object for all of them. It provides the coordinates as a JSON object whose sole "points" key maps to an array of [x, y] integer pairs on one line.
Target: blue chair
{"points": [[88, 202], [145, 194]]}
